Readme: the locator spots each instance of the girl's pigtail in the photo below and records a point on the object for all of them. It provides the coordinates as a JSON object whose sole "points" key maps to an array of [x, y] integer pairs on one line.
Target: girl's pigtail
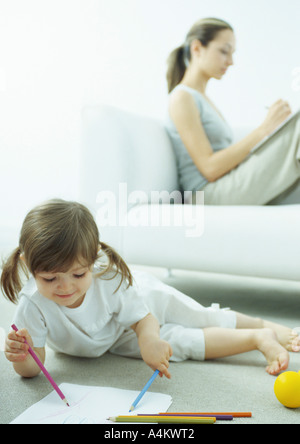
{"points": [[116, 263], [11, 283]]}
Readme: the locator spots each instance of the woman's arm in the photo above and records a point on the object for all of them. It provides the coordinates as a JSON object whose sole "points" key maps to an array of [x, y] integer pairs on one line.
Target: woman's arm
{"points": [[155, 352], [186, 117]]}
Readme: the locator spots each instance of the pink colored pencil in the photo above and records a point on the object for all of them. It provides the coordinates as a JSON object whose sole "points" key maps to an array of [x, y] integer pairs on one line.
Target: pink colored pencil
{"points": [[46, 373]]}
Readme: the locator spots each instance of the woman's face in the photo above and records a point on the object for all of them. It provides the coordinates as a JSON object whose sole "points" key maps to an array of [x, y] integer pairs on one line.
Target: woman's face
{"points": [[215, 59]]}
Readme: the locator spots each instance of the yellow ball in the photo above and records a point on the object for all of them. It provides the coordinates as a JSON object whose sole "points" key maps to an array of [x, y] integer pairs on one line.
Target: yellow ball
{"points": [[287, 389]]}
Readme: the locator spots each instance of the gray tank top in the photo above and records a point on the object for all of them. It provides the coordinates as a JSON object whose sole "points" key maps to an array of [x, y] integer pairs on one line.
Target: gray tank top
{"points": [[218, 132]]}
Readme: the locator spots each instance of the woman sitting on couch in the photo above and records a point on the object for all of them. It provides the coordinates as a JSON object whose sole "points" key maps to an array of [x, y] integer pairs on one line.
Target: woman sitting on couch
{"points": [[207, 158]]}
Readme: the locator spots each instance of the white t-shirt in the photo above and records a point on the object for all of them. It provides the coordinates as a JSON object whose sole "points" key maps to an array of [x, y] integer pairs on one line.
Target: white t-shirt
{"points": [[87, 331]]}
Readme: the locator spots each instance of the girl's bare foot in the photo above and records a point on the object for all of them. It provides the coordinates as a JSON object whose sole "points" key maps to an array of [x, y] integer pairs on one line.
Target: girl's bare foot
{"points": [[276, 355], [288, 338]]}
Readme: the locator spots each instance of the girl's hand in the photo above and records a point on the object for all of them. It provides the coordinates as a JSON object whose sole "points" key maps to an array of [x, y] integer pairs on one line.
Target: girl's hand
{"points": [[277, 114], [156, 353], [15, 348]]}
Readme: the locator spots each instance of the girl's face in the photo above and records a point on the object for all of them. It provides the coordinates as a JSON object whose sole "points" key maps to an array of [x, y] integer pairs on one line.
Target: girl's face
{"points": [[215, 59], [65, 289]]}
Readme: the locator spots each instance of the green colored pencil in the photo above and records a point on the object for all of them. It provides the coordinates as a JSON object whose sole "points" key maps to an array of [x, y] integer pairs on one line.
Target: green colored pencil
{"points": [[164, 419]]}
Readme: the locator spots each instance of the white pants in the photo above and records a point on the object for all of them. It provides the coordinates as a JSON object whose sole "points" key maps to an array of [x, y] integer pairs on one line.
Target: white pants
{"points": [[182, 320], [265, 175]]}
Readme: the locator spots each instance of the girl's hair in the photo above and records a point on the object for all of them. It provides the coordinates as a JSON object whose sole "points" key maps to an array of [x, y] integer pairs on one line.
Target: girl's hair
{"points": [[54, 236], [205, 30]]}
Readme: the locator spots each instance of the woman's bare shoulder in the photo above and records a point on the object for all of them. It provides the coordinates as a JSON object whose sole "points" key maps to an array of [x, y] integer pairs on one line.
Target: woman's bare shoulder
{"points": [[180, 96], [181, 102]]}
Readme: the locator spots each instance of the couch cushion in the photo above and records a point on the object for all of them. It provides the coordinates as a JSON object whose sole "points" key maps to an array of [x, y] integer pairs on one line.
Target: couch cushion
{"points": [[120, 147], [245, 241]]}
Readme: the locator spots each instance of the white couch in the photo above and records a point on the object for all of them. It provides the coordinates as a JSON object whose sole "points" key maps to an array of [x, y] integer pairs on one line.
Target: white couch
{"points": [[128, 157]]}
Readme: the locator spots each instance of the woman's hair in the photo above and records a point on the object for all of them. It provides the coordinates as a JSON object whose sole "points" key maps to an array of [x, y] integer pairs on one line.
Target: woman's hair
{"points": [[205, 30], [54, 236]]}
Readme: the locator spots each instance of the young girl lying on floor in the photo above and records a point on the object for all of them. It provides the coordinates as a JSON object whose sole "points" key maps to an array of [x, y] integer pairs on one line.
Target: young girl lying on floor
{"points": [[82, 308]]}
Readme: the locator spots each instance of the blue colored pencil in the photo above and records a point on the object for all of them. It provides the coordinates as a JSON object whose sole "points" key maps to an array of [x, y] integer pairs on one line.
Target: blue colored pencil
{"points": [[147, 386]]}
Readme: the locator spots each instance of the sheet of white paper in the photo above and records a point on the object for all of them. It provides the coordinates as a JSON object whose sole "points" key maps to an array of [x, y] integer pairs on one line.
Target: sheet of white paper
{"points": [[292, 116], [91, 405]]}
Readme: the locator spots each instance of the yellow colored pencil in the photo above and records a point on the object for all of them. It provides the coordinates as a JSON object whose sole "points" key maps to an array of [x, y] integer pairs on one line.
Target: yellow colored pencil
{"points": [[164, 419]]}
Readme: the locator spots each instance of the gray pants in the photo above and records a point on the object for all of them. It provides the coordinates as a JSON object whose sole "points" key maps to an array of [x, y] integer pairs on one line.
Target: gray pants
{"points": [[269, 176]]}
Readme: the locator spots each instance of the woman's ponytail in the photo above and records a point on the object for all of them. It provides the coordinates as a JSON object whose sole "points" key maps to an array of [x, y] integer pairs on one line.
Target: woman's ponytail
{"points": [[176, 67], [11, 283]]}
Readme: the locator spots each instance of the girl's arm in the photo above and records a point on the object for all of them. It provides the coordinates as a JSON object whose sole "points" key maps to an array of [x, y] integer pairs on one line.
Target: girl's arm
{"points": [[186, 117], [155, 352], [16, 351]]}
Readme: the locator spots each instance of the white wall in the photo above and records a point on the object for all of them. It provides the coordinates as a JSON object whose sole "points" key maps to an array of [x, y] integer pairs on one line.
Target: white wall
{"points": [[58, 55]]}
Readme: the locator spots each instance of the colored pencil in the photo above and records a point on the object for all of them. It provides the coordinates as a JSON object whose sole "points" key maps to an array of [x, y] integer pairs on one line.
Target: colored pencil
{"points": [[196, 415], [234, 414], [147, 386], [164, 419], [41, 366]]}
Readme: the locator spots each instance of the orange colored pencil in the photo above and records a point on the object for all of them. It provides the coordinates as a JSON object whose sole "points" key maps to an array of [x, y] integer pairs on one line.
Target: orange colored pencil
{"points": [[234, 414]]}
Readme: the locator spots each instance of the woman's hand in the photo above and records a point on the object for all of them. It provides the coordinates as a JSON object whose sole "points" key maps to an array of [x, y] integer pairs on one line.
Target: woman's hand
{"points": [[277, 114], [156, 353], [15, 348]]}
